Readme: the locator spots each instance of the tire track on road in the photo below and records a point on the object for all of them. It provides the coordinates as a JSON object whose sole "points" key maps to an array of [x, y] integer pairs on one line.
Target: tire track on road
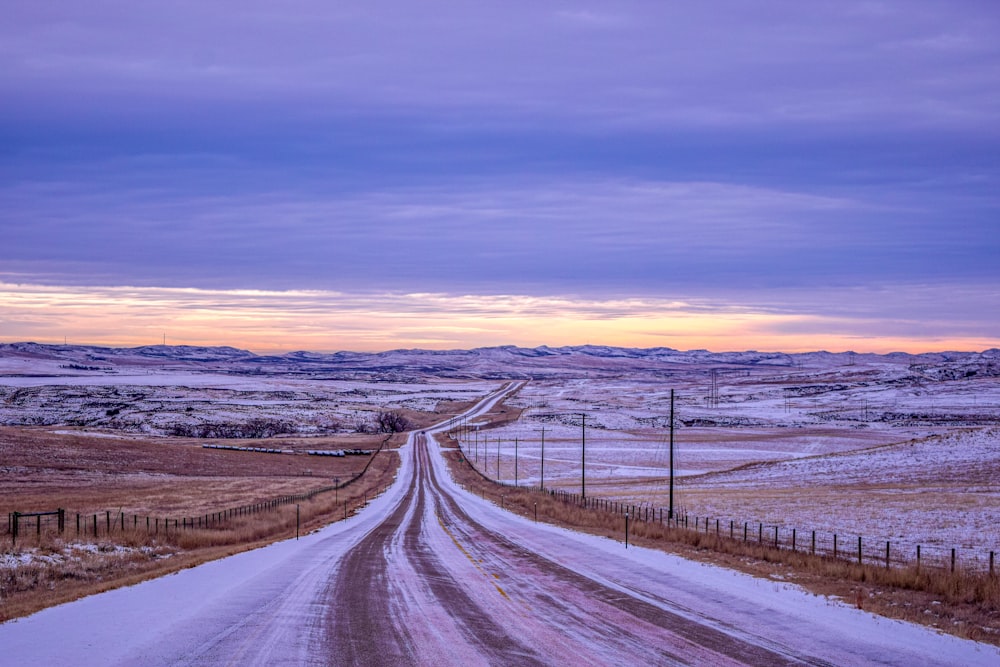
{"points": [[676, 629], [362, 598]]}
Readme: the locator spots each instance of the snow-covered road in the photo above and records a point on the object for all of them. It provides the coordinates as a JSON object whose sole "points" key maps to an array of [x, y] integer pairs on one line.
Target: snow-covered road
{"points": [[429, 574]]}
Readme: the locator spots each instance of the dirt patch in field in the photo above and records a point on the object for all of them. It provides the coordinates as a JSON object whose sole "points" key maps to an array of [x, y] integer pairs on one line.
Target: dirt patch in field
{"points": [[84, 473], [169, 479]]}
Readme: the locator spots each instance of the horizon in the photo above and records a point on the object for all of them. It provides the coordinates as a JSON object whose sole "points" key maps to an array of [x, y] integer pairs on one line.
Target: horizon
{"points": [[262, 353], [779, 176]]}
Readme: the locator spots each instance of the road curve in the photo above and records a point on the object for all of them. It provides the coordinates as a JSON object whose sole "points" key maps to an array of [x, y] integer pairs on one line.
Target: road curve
{"points": [[432, 575]]}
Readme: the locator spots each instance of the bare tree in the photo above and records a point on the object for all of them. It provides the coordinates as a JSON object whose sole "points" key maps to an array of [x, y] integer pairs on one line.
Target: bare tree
{"points": [[391, 422], [362, 425]]}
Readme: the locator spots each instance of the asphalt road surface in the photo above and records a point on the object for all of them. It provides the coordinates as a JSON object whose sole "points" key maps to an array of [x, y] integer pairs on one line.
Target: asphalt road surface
{"points": [[429, 574]]}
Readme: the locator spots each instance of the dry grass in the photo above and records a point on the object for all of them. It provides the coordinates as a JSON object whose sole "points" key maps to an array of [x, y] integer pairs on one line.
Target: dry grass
{"points": [[43, 470], [166, 478], [163, 478], [966, 604]]}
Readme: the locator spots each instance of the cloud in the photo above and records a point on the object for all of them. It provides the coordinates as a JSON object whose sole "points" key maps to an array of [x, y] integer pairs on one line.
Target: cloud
{"points": [[269, 321], [592, 19], [705, 154], [633, 236], [661, 65]]}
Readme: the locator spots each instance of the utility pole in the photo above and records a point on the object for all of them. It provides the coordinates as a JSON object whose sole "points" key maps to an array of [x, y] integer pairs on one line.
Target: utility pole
{"points": [[542, 483], [498, 459], [515, 461], [670, 510], [583, 455]]}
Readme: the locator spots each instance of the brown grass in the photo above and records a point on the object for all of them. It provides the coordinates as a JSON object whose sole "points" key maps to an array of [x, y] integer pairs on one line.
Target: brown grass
{"points": [[166, 478], [965, 603]]}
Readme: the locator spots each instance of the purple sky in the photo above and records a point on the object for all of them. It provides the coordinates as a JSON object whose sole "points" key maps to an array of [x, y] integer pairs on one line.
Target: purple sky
{"points": [[833, 165]]}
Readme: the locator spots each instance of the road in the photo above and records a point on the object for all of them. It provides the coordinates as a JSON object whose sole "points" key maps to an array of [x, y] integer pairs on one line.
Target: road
{"points": [[429, 574]]}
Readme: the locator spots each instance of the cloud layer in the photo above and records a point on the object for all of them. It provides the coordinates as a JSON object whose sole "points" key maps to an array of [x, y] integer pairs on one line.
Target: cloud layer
{"points": [[769, 157], [267, 321]]}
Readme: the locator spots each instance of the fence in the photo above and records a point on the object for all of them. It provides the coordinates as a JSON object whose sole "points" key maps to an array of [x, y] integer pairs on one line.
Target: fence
{"points": [[835, 545], [107, 523], [14, 521]]}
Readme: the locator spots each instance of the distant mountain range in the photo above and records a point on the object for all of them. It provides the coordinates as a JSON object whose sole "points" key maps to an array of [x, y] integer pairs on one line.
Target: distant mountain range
{"points": [[487, 363]]}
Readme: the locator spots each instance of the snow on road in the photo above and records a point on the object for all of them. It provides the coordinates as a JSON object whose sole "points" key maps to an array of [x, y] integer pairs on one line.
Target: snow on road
{"points": [[430, 574]]}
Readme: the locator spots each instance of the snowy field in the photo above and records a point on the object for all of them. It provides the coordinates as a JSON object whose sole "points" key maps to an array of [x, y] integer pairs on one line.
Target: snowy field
{"points": [[892, 447], [877, 449], [272, 605], [163, 404]]}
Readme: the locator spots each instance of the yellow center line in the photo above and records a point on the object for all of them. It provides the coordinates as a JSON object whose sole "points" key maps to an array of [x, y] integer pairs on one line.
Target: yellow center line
{"points": [[471, 559]]}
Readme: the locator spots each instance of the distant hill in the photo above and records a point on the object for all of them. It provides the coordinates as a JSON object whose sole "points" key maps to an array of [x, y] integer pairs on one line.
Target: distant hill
{"points": [[484, 363]]}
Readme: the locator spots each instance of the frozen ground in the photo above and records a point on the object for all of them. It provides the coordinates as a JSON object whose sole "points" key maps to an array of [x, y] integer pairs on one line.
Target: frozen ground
{"points": [[878, 448], [765, 437], [941, 492], [165, 404], [451, 579]]}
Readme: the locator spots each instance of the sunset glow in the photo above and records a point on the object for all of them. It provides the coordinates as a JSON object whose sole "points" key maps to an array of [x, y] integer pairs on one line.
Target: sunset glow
{"points": [[276, 322], [780, 176]]}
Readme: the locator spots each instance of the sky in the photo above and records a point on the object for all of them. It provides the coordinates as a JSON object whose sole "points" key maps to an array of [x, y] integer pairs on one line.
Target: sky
{"points": [[390, 174]]}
